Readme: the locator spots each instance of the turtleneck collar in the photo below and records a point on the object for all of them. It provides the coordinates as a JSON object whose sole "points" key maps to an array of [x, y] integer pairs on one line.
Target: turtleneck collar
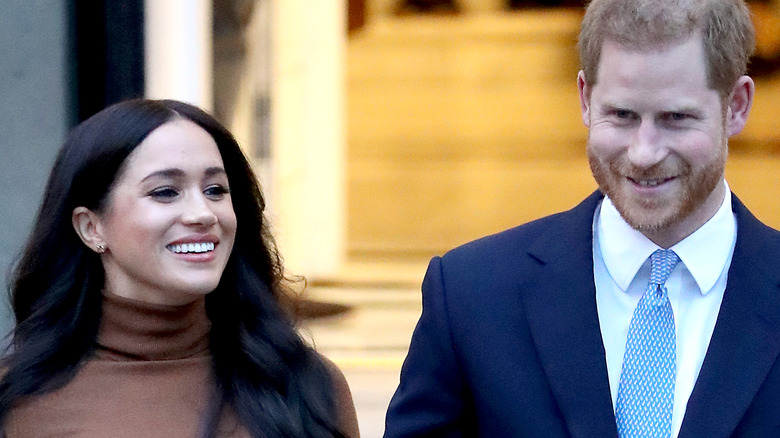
{"points": [[136, 330]]}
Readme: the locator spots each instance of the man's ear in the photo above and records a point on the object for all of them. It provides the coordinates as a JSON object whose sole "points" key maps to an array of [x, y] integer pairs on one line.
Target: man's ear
{"points": [[87, 226], [584, 89], [739, 102]]}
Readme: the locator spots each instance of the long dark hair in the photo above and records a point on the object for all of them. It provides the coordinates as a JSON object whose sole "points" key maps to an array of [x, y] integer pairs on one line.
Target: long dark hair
{"points": [[265, 373]]}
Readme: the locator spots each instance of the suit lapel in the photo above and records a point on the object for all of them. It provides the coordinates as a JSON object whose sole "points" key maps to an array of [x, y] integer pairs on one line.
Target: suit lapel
{"points": [[746, 339], [560, 299]]}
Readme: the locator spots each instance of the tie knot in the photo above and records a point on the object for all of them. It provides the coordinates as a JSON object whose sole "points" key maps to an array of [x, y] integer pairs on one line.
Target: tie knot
{"points": [[662, 262]]}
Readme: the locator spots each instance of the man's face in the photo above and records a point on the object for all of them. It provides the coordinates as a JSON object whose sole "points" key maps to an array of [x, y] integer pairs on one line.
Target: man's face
{"points": [[657, 140]]}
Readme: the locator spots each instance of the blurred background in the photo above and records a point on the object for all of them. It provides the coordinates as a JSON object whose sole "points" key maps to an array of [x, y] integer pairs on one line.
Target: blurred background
{"points": [[383, 131]]}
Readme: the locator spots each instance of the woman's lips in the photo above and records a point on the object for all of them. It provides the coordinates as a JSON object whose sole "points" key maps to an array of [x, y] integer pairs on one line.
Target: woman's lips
{"points": [[190, 248]]}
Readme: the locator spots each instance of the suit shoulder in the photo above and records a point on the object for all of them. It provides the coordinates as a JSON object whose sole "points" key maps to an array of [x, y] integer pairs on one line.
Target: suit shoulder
{"points": [[572, 224], [754, 234], [512, 239]]}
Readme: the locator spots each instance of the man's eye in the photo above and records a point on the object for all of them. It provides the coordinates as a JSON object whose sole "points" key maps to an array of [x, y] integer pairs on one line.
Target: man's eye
{"points": [[164, 193], [623, 114], [216, 191], [678, 116]]}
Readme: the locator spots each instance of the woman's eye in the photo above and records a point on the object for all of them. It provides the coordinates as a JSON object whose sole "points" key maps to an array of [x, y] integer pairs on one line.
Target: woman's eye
{"points": [[164, 193], [216, 191]]}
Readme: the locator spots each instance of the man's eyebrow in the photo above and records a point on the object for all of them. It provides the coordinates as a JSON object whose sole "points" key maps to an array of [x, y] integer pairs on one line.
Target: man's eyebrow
{"points": [[610, 105], [685, 109]]}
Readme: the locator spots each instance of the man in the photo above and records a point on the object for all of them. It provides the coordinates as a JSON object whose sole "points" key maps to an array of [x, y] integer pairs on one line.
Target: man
{"points": [[650, 309]]}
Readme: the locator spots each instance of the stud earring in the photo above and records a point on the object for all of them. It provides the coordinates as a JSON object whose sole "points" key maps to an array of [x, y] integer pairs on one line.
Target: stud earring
{"points": [[100, 248]]}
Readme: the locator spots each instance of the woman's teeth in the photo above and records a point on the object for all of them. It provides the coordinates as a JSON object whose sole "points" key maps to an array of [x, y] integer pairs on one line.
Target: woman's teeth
{"points": [[192, 247]]}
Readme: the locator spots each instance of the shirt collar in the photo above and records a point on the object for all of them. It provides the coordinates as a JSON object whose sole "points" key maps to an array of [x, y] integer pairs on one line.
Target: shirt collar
{"points": [[704, 253]]}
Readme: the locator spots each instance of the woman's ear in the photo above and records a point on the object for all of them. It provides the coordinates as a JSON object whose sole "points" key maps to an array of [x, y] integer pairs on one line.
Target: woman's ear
{"points": [[87, 226]]}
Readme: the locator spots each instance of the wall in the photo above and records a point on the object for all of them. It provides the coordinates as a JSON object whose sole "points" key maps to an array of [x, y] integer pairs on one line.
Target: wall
{"points": [[461, 126], [35, 116], [306, 189]]}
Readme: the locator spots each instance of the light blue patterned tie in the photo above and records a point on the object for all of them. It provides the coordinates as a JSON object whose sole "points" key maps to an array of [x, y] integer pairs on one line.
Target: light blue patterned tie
{"points": [[646, 391]]}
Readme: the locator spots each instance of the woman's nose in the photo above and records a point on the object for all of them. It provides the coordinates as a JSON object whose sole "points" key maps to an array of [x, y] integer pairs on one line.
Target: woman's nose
{"points": [[198, 211]]}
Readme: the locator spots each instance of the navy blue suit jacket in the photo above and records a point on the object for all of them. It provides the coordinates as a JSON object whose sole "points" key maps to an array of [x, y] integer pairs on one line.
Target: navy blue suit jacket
{"points": [[509, 345]]}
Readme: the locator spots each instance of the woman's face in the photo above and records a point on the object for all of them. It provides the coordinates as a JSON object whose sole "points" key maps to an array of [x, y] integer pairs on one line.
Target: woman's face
{"points": [[169, 224]]}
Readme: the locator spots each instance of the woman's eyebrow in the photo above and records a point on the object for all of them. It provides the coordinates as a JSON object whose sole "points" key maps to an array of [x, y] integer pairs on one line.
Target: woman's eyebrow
{"points": [[176, 173], [172, 173], [211, 171]]}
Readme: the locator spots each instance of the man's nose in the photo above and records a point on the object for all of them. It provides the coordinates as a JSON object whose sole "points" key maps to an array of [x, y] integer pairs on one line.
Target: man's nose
{"points": [[647, 147]]}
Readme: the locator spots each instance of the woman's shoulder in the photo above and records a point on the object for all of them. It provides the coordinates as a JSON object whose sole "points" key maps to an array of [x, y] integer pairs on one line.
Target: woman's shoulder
{"points": [[345, 406]]}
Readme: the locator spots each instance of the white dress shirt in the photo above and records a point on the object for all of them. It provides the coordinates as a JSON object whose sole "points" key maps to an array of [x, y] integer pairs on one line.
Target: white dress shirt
{"points": [[696, 286]]}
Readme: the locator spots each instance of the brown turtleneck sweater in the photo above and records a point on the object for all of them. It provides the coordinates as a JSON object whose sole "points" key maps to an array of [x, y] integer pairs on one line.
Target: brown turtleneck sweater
{"points": [[151, 376]]}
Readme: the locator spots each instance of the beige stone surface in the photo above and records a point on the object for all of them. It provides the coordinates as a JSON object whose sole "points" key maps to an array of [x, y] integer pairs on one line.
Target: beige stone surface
{"points": [[462, 126]]}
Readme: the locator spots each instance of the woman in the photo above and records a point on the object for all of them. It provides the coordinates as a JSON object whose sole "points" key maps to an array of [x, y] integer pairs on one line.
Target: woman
{"points": [[148, 296]]}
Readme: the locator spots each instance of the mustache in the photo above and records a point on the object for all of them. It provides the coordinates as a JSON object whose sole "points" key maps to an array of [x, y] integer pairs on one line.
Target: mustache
{"points": [[663, 170]]}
